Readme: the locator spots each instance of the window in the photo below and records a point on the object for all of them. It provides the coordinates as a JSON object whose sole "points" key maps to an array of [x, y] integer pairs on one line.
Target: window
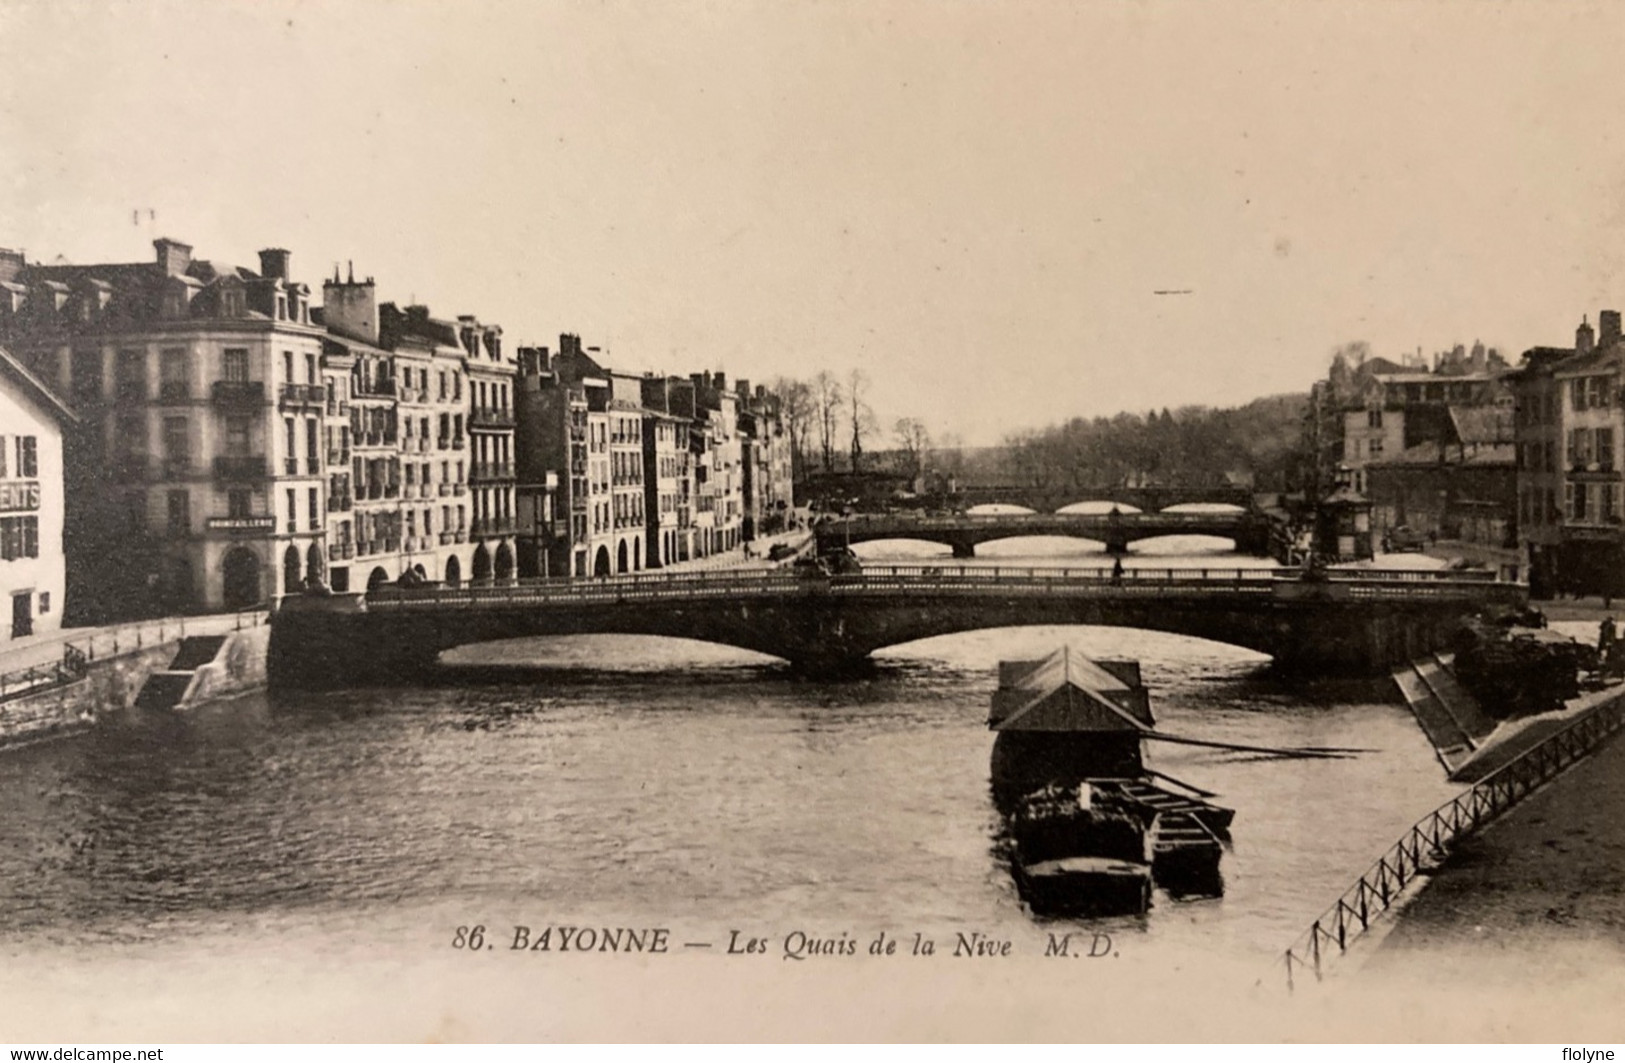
{"points": [[311, 456], [27, 457], [237, 436], [44, 602], [287, 366], [1604, 448], [87, 375], [130, 375], [315, 508], [19, 538], [173, 374], [311, 376], [234, 365], [239, 502], [293, 510], [180, 513]]}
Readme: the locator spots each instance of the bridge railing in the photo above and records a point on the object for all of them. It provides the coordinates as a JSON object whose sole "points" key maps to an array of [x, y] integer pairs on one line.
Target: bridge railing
{"points": [[871, 520], [1428, 841], [1131, 582]]}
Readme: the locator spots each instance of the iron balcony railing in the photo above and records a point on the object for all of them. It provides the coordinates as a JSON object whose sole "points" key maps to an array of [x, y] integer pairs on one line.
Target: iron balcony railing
{"points": [[301, 395], [1429, 840], [239, 393], [490, 417], [490, 470], [240, 468]]}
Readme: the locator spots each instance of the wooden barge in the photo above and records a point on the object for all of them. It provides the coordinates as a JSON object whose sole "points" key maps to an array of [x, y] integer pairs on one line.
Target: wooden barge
{"points": [[1087, 829]]}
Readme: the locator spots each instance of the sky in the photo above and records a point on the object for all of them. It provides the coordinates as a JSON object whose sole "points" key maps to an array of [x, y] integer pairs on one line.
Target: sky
{"points": [[974, 202]]}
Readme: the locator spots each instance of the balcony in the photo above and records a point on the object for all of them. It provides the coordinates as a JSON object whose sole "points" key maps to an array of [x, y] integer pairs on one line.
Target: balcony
{"points": [[445, 489], [459, 489], [340, 551], [130, 468], [392, 546], [255, 523], [339, 503], [490, 417], [482, 471], [240, 468], [302, 396], [494, 526], [447, 538], [338, 409], [460, 535], [457, 443], [338, 457], [392, 490], [175, 391], [238, 394], [367, 389], [290, 466]]}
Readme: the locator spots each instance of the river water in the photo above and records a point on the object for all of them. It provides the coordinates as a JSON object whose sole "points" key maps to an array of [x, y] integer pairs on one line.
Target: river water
{"points": [[643, 782]]}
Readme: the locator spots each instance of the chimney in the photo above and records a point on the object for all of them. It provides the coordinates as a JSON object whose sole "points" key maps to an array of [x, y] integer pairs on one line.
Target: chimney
{"points": [[274, 263], [349, 308], [173, 256], [1583, 336], [11, 264], [720, 381], [1607, 327], [743, 387]]}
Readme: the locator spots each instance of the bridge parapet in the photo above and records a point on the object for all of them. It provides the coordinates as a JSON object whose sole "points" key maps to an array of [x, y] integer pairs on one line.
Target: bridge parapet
{"points": [[1350, 621]]}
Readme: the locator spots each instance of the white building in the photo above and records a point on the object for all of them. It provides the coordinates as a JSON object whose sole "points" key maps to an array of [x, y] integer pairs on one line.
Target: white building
{"points": [[33, 574]]}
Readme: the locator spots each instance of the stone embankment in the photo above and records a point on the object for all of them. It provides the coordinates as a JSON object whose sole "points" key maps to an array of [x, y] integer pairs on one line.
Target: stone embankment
{"points": [[63, 683]]}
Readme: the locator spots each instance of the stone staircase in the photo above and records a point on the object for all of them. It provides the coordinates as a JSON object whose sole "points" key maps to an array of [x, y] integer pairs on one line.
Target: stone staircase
{"points": [[169, 689], [1452, 719]]}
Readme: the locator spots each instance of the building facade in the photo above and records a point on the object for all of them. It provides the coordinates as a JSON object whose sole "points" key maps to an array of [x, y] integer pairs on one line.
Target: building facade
{"points": [[33, 569], [196, 477], [1570, 424]]}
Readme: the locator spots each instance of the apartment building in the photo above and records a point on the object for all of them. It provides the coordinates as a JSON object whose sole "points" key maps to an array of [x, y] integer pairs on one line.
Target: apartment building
{"points": [[1570, 421], [196, 476]]}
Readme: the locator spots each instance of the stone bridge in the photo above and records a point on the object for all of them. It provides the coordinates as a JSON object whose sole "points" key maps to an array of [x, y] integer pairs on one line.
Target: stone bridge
{"points": [[964, 532], [826, 624], [1050, 499]]}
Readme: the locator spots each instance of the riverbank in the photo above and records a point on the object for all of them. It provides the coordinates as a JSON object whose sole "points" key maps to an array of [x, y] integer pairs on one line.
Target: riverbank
{"points": [[66, 681], [1542, 890]]}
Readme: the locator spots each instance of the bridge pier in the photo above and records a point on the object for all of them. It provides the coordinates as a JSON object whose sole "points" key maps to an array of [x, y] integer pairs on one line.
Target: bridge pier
{"points": [[1116, 545], [963, 549]]}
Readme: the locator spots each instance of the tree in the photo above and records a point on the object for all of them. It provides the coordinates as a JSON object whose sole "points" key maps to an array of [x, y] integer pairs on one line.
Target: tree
{"points": [[915, 441], [860, 415], [826, 403], [797, 408]]}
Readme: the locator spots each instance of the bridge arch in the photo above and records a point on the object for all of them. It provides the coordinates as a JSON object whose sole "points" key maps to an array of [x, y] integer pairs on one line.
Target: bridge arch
{"points": [[600, 564], [504, 561], [454, 571], [377, 578], [482, 562], [620, 556]]}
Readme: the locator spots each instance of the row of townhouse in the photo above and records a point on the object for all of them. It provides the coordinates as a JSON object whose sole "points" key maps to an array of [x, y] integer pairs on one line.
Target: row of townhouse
{"points": [[235, 442], [621, 472], [1570, 475]]}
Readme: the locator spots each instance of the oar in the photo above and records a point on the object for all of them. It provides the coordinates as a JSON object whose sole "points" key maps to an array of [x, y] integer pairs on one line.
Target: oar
{"points": [[1302, 751], [1197, 790]]}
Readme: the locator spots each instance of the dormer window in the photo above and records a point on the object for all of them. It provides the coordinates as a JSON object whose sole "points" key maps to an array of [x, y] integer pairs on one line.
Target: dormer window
{"points": [[231, 303], [282, 307]]}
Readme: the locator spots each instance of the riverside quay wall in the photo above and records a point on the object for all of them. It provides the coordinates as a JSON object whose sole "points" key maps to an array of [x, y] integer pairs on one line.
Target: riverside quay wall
{"points": [[117, 666]]}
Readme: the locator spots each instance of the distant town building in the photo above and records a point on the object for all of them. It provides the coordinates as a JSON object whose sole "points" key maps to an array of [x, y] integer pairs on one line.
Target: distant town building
{"points": [[33, 570], [1570, 421]]}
